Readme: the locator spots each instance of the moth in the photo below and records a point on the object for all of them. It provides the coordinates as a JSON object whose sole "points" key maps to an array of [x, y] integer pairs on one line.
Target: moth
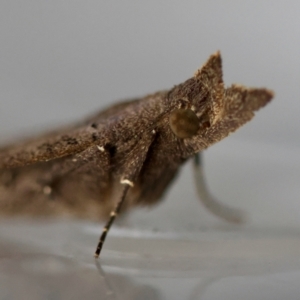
{"points": [[128, 154]]}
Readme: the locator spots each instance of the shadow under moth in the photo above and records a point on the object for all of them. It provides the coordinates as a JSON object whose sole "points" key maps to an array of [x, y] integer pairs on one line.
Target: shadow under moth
{"points": [[128, 154]]}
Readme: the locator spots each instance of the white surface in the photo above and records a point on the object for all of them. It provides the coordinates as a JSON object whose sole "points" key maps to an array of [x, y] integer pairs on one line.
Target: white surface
{"points": [[61, 60]]}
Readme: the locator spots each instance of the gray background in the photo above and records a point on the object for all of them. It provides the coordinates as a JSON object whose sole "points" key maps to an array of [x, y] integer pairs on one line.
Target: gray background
{"points": [[62, 60]]}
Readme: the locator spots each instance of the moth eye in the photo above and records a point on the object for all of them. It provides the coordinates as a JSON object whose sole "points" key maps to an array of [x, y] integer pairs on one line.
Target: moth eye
{"points": [[184, 123]]}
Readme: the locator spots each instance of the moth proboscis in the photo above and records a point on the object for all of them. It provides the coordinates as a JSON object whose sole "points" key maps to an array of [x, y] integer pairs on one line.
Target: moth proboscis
{"points": [[128, 154]]}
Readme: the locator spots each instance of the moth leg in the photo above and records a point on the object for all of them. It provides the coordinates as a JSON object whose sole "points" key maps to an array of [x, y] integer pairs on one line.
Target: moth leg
{"points": [[215, 207], [113, 215], [128, 174]]}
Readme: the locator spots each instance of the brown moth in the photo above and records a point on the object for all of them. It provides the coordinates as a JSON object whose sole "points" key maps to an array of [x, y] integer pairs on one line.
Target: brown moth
{"points": [[128, 154]]}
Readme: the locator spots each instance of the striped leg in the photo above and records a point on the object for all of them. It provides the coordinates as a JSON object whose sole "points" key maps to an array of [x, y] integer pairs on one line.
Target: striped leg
{"points": [[225, 212], [113, 215], [138, 156]]}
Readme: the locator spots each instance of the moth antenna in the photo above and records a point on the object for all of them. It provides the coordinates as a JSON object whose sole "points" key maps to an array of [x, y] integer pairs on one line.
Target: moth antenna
{"points": [[225, 212], [113, 215]]}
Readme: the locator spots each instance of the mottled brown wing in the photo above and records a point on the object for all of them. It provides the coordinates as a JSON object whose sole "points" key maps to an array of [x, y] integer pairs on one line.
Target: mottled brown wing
{"points": [[239, 106], [77, 185], [60, 143]]}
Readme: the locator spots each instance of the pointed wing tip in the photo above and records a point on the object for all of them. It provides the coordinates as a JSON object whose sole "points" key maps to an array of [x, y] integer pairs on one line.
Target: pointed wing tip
{"points": [[239, 97], [269, 94], [216, 55], [214, 62], [261, 97]]}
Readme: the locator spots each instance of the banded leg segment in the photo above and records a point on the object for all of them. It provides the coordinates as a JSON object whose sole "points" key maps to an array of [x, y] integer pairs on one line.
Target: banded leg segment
{"points": [[113, 215], [130, 172]]}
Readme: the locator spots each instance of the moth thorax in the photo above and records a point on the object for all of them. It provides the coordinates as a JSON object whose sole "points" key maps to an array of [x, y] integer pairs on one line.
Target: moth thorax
{"points": [[184, 123]]}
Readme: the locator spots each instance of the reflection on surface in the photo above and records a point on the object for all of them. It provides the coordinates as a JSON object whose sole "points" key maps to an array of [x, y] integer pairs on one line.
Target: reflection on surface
{"points": [[46, 276], [121, 287], [54, 261]]}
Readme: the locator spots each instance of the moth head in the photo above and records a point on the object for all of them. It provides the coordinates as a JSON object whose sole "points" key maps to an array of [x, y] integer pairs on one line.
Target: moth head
{"points": [[197, 101], [203, 107]]}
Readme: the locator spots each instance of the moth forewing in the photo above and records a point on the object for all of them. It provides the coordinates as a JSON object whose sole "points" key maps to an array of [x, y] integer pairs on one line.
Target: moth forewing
{"points": [[128, 154]]}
